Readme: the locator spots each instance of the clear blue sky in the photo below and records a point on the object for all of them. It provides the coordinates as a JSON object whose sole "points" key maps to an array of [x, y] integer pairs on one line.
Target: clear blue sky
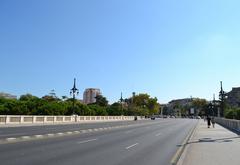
{"points": [[168, 48]]}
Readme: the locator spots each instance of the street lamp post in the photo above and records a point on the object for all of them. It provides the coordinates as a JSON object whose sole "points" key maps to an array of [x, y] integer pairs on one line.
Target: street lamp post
{"points": [[222, 96], [121, 101], [210, 109], [74, 91]]}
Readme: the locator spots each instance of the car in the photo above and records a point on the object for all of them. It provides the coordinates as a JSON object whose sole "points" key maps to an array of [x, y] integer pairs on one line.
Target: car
{"points": [[152, 118]]}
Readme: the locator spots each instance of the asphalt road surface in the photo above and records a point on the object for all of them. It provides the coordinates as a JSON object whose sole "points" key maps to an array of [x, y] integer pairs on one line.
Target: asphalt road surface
{"points": [[45, 129], [144, 143]]}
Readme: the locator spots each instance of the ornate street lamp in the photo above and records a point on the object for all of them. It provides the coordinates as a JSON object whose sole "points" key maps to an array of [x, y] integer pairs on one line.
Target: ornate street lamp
{"points": [[211, 109], [121, 102], [222, 97], [74, 91]]}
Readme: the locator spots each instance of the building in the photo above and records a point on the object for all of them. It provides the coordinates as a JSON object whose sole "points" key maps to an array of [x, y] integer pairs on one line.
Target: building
{"points": [[174, 107], [233, 97], [7, 95], [89, 95]]}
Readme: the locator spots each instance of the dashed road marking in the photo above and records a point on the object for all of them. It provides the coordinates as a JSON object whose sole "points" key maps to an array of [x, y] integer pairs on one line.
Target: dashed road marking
{"points": [[86, 141], [38, 136], [11, 139], [69, 133], [25, 137], [50, 134], [131, 146]]}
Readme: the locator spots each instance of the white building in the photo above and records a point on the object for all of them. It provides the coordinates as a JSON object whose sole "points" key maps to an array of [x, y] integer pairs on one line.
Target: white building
{"points": [[89, 95]]}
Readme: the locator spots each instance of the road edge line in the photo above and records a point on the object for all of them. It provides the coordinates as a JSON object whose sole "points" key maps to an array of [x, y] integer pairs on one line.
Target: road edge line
{"points": [[178, 155]]}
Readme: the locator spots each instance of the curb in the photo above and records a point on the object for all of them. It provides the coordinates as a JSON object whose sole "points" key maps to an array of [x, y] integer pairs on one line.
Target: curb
{"points": [[179, 154]]}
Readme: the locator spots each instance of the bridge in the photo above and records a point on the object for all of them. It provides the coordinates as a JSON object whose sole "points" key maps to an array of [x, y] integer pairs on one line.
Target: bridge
{"points": [[161, 141]]}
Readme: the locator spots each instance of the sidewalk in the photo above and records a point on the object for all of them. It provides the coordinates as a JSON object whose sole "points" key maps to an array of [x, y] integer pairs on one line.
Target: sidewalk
{"points": [[211, 146]]}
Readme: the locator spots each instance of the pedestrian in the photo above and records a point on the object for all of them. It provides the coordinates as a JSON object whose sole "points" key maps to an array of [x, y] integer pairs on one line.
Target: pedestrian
{"points": [[208, 121], [213, 122]]}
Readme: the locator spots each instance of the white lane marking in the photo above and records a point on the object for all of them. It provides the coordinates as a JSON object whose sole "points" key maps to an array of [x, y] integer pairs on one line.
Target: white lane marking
{"points": [[50, 134], [25, 137], [131, 146], [38, 136], [158, 134], [10, 139], [86, 141]]}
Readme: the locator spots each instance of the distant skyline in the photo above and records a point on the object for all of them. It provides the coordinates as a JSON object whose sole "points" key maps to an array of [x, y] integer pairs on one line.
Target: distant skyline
{"points": [[168, 49]]}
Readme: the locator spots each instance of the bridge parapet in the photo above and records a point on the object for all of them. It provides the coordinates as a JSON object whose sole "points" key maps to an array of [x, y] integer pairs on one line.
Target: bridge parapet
{"points": [[27, 119], [229, 123]]}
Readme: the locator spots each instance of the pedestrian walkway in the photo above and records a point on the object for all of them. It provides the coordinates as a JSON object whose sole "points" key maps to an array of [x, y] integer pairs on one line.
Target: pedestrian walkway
{"points": [[211, 146]]}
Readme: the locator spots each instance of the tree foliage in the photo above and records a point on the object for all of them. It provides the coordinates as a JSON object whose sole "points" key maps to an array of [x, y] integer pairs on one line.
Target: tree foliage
{"points": [[232, 113], [28, 104], [143, 105], [101, 101]]}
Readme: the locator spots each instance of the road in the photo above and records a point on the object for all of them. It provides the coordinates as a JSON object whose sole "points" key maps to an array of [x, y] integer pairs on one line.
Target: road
{"points": [[45, 129], [145, 142]]}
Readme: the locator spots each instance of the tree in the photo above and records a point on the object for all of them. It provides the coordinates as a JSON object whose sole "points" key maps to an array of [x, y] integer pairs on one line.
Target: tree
{"points": [[99, 110], [114, 109], [82, 109], [143, 104], [101, 101], [27, 97], [200, 105]]}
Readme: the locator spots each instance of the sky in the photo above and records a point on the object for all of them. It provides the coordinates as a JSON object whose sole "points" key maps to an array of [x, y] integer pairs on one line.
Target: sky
{"points": [[169, 49]]}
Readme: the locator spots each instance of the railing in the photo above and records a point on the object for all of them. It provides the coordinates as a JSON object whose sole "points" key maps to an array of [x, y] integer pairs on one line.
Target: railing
{"points": [[229, 123], [12, 119]]}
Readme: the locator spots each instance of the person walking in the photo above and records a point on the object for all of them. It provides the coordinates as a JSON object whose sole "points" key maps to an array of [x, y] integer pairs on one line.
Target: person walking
{"points": [[208, 121], [213, 122]]}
